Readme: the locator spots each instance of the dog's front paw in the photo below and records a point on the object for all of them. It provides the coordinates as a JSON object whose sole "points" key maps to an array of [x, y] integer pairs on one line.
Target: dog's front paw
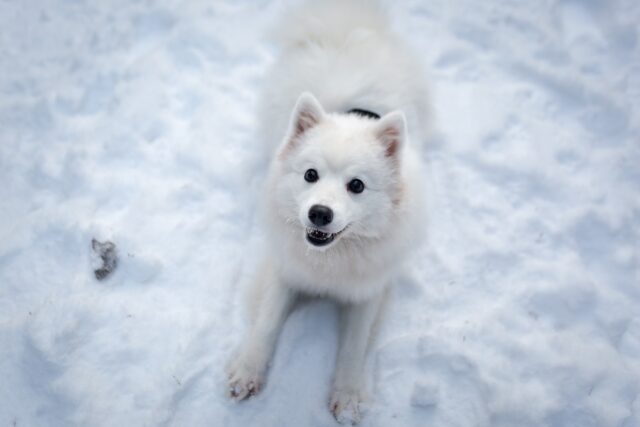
{"points": [[345, 406], [245, 380]]}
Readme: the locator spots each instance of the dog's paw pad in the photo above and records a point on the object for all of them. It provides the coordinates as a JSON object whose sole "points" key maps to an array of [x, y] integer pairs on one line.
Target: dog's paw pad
{"points": [[240, 389], [244, 383], [345, 407]]}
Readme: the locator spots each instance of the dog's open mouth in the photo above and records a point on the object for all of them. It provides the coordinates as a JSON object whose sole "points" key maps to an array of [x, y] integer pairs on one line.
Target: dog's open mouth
{"points": [[320, 238]]}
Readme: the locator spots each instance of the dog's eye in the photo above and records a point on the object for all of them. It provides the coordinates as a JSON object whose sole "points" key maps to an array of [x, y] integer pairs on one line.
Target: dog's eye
{"points": [[356, 186], [311, 175]]}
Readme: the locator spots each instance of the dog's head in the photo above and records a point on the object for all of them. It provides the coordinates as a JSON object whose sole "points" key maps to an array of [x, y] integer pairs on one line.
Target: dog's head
{"points": [[338, 176]]}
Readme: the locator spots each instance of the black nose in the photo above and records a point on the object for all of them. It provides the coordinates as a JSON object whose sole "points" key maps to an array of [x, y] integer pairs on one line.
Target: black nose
{"points": [[320, 215]]}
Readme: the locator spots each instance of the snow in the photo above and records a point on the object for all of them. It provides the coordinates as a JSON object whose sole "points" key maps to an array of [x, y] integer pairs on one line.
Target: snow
{"points": [[133, 121]]}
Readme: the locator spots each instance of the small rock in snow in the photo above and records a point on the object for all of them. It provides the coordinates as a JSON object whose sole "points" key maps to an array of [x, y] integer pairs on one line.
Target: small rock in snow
{"points": [[108, 255]]}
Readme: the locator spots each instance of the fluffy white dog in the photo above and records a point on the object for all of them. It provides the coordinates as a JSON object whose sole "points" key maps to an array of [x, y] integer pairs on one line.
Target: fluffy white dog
{"points": [[343, 204]]}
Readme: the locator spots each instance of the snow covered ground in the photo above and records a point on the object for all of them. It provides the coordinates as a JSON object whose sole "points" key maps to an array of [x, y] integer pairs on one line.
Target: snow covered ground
{"points": [[133, 121]]}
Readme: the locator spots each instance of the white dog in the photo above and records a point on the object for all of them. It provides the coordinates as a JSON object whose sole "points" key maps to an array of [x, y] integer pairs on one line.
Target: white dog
{"points": [[343, 203]]}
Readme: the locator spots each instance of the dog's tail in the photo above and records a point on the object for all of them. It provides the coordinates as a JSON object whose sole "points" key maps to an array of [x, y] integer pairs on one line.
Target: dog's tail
{"points": [[329, 22]]}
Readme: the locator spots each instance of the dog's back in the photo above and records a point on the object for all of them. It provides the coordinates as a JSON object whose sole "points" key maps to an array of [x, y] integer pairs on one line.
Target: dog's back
{"points": [[343, 52]]}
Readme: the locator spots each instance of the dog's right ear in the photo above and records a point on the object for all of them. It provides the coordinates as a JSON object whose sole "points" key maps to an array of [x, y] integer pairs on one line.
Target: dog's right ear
{"points": [[391, 131], [306, 114]]}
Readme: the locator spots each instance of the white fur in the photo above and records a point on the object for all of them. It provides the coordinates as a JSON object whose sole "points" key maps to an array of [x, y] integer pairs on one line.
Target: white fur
{"points": [[336, 55]]}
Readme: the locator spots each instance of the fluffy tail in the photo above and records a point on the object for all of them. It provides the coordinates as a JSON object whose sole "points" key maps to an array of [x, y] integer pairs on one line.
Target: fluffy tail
{"points": [[329, 21]]}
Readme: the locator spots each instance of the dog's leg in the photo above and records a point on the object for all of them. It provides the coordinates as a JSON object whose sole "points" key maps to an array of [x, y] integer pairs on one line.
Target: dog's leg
{"points": [[247, 369], [348, 388]]}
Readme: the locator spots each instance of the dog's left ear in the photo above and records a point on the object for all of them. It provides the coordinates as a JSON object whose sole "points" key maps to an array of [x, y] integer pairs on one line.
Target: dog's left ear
{"points": [[391, 131]]}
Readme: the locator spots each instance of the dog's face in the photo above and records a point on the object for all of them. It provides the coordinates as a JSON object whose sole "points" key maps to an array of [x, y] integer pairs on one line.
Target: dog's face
{"points": [[338, 175]]}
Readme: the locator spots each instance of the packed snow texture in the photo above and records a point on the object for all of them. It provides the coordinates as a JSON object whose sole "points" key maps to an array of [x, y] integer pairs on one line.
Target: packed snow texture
{"points": [[134, 122]]}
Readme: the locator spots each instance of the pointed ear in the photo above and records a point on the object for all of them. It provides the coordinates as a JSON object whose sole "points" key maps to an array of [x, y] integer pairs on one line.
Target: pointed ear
{"points": [[306, 114], [391, 131]]}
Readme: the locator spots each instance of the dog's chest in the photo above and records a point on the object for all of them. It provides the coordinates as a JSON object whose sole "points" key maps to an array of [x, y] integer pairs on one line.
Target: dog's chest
{"points": [[343, 278]]}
